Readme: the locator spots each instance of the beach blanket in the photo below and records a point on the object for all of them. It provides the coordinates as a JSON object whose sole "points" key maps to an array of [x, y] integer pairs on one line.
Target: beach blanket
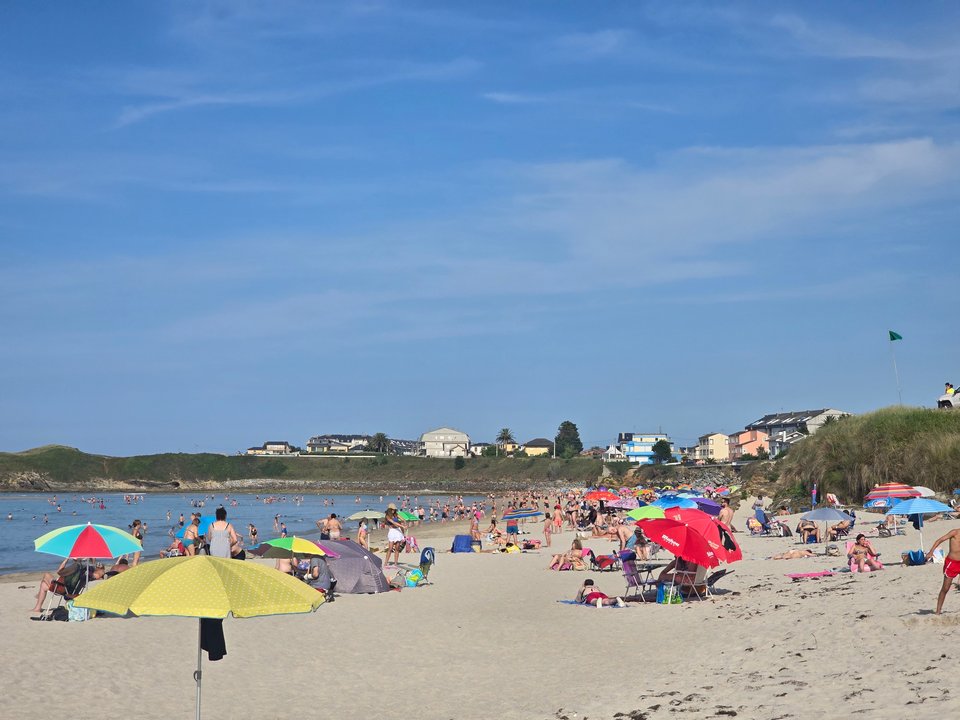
{"points": [[804, 576]]}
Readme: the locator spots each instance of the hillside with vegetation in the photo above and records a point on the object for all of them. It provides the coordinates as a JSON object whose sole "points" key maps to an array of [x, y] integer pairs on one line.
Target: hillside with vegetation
{"points": [[65, 469], [849, 456]]}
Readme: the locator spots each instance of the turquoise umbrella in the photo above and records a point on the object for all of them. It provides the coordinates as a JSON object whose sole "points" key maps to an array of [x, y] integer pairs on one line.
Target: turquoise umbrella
{"points": [[87, 541], [919, 507]]}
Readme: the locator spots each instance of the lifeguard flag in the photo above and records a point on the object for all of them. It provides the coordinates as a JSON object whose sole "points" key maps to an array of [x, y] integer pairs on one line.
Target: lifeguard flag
{"points": [[895, 336]]}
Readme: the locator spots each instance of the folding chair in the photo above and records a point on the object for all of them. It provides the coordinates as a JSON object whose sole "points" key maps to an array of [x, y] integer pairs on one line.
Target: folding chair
{"points": [[635, 581], [65, 587]]}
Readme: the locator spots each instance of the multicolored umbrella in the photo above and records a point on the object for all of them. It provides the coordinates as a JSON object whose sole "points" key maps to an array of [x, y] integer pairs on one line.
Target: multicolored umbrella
{"points": [[682, 540], [624, 503], [892, 490], [647, 512], [201, 586], [521, 513], [289, 546], [601, 495], [717, 535], [87, 541]]}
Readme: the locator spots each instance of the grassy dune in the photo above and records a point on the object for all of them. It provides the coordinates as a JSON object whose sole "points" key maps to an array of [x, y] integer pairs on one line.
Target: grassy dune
{"points": [[69, 468], [909, 445]]}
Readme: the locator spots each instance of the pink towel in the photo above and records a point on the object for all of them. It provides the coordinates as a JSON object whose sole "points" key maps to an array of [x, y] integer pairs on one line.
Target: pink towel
{"points": [[822, 573]]}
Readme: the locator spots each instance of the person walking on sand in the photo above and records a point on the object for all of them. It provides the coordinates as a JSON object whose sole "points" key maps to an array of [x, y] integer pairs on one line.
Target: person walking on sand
{"points": [[951, 564]]}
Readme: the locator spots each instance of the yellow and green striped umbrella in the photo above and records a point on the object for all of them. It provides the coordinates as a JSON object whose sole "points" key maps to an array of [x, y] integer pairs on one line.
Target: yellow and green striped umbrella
{"points": [[202, 586]]}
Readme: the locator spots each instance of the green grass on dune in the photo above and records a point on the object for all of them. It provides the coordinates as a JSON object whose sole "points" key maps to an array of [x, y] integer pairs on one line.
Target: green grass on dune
{"points": [[65, 465], [909, 445]]}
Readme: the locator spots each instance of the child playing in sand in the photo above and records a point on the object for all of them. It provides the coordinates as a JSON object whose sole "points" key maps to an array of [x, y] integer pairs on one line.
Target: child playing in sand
{"points": [[590, 595]]}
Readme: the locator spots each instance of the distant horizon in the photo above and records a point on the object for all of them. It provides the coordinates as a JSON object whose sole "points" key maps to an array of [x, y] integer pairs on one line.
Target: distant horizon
{"points": [[239, 221]]}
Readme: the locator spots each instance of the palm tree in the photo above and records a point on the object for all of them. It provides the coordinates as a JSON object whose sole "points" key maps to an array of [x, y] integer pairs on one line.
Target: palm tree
{"points": [[504, 437], [379, 443]]}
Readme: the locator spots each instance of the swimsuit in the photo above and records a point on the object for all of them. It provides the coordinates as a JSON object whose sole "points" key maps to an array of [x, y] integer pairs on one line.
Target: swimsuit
{"points": [[951, 567]]}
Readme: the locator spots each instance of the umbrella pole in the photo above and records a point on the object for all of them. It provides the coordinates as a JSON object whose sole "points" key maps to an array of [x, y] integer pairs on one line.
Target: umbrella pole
{"points": [[197, 674]]}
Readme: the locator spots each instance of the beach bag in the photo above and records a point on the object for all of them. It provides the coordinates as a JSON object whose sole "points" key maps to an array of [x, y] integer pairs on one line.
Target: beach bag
{"points": [[915, 557], [75, 614], [414, 577]]}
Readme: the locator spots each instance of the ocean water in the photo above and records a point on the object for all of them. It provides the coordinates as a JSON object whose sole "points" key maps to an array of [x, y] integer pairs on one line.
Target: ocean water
{"points": [[27, 523]]}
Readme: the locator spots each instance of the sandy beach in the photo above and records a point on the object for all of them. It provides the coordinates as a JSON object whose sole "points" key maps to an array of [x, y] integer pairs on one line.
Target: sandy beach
{"points": [[489, 639]]}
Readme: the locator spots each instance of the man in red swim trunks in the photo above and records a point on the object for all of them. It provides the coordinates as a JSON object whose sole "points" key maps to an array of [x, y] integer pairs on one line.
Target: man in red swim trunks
{"points": [[951, 564]]}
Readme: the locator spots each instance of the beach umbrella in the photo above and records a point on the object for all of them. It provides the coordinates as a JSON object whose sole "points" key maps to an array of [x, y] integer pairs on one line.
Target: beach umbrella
{"points": [[625, 503], [625, 491], [682, 540], [674, 501], [647, 512], [521, 513], [87, 541], [711, 507], [601, 495], [919, 507], [881, 503], [717, 535], [408, 516], [366, 515], [205, 523], [892, 490], [203, 587], [925, 492], [289, 546], [827, 515]]}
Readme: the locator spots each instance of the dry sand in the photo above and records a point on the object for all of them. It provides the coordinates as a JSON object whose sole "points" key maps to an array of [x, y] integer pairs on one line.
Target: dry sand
{"points": [[489, 640]]}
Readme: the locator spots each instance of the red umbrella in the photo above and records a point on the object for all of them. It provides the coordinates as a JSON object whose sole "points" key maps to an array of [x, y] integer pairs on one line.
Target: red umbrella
{"points": [[682, 540], [892, 490], [601, 495], [717, 535]]}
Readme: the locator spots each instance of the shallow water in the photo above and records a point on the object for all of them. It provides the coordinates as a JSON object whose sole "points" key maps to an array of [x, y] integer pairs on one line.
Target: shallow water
{"points": [[28, 510]]}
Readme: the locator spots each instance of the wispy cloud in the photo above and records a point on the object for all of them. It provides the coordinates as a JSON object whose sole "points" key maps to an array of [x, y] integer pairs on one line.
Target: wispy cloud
{"points": [[589, 45], [188, 97], [610, 97]]}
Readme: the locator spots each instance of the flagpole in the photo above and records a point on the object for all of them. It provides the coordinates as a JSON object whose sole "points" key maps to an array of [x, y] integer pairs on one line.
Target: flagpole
{"points": [[896, 372]]}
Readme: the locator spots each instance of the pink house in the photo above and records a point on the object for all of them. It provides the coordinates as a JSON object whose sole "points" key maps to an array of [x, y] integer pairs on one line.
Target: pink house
{"points": [[747, 442]]}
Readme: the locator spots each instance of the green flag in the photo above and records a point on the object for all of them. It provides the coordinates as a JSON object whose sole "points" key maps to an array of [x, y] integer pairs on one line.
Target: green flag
{"points": [[895, 336]]}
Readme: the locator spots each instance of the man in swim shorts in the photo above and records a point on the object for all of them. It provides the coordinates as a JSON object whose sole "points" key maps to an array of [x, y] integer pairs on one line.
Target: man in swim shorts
{"points": [[951, 564]]}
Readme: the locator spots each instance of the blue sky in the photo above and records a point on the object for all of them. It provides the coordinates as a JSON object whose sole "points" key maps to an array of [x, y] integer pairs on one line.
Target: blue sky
{"points": [[227, 222]]}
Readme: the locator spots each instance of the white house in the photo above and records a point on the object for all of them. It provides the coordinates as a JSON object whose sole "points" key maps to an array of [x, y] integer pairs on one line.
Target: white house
{"points": [[785, 429], [444, 443]]}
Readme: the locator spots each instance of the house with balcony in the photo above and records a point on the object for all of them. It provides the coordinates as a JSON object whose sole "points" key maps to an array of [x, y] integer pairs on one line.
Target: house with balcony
{"points": [[444, 442], [713, 446], [748, 442], [336, 443], [638, 447], [786, 429]]}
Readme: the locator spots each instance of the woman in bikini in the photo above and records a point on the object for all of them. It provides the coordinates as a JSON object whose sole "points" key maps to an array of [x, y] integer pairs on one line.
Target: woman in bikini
{"points": [[863, 554], [574, 556], [190, 536]]}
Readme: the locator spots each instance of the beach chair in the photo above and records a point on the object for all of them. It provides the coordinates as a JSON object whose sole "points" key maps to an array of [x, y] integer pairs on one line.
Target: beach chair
{"points": [[604, 563], [65, 587], [761, 517], [636, 584], [853, 565], [692, 583]]}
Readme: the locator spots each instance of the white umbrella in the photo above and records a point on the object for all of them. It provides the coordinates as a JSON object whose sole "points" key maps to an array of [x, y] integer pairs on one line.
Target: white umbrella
{"points": [[925, 492]]}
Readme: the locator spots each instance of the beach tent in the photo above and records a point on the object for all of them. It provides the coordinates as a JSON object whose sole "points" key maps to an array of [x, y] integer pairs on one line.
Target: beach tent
{"points": [[357, 570]]}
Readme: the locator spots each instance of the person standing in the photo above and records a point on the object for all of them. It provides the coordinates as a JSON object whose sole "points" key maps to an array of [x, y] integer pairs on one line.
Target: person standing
{"points": [[137, 531], [395, 534], [951, 564], [221, 536], [726, 514]]}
